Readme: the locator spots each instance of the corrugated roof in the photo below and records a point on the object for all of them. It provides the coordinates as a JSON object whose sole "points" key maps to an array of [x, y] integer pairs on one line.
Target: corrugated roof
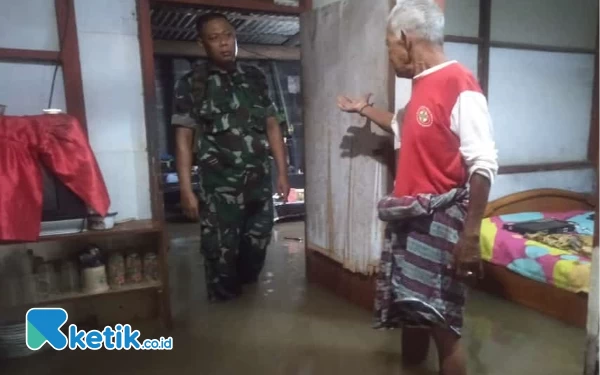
{"points": [[178, 23]]}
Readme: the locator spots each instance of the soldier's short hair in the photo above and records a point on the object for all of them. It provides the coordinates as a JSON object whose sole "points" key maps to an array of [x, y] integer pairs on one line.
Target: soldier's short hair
{"points": [[206, 18]]}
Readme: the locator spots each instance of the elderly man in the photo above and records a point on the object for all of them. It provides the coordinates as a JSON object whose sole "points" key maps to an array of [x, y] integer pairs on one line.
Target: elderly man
{"points": [[446, 164]]}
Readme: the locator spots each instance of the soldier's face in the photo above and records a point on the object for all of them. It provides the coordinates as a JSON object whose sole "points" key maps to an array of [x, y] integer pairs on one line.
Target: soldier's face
{"points": [[219, 41]]}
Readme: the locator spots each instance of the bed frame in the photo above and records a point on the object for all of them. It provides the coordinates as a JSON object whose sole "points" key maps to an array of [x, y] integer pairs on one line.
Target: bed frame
{"points": [[566, 306]]}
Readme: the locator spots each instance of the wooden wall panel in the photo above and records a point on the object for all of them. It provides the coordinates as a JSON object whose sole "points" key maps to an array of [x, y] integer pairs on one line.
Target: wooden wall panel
{"points": [[343, 179]]}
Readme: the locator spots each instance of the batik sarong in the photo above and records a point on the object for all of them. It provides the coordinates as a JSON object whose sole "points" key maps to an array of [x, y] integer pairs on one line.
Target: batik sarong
{"points": [[414, 285]]}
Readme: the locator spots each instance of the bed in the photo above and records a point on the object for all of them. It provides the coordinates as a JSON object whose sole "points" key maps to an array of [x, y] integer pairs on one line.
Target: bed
{"points": [[553, 280]]}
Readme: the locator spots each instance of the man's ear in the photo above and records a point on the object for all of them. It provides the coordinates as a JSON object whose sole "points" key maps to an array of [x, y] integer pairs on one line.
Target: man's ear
{"points": [[200, 44], [404, 38], [406, 42]]}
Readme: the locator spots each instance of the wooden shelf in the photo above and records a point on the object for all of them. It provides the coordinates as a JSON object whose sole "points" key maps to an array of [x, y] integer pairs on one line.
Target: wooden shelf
{"points": [[70, 297], [131, 227]]}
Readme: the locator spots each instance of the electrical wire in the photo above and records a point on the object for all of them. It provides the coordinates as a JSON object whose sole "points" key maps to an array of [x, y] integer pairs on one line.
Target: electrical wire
{"points": [[60, 46]]}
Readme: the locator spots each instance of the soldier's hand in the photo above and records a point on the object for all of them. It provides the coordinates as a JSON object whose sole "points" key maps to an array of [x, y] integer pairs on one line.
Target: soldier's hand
{"points": [[189, 205], [283, 187]]}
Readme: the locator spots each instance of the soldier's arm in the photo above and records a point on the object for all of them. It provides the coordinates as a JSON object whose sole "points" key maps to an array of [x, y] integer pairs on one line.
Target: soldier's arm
{"points": [[185, 128], [277, 145], [274, 133], [184, 138]]}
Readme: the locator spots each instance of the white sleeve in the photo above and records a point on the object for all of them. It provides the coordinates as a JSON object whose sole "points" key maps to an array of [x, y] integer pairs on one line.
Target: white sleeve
{"points": [[396, 129], [471, 121]]}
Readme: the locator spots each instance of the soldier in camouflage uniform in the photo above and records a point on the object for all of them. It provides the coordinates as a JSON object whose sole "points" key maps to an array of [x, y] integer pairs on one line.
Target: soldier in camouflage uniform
{"points": [[226, 110]]}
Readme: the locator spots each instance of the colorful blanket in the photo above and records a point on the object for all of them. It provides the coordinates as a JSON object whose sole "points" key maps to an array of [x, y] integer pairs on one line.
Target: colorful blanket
{"points": [[561, 261]]}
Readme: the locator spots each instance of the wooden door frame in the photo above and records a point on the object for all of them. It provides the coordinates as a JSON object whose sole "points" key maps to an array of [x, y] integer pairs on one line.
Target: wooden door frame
{"points": [[148, 74], [244, 5], [150, 106]]}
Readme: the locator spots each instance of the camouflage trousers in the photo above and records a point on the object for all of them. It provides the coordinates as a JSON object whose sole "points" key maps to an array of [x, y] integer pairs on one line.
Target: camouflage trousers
{"points": [[234, 242]]}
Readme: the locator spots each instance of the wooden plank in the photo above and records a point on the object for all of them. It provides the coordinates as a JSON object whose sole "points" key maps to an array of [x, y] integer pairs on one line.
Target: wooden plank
{"points": [[246, 51], [307, 5], [462, 39], [254, 5], [29, 55], [149, 94], [547, 299], [391, 80], [357, 288], [593, 320], [128, 228], [156, 194], [538, 47], [483, 62], [393, 157], [528, 168], [69, 56], [592, 365], [69, 297], [594, 134], [340, 146], [164, 293]]}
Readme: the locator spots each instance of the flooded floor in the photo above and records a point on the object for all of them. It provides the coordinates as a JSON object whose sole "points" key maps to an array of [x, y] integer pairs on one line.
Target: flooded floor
{"points": [[284, 326]]}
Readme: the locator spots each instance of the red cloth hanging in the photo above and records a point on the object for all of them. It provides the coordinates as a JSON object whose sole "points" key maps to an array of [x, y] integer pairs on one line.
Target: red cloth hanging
{"points": [[59, 143]]}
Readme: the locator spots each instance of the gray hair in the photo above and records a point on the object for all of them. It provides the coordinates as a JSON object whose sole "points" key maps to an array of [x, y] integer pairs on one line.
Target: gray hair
{"points": [[423, 18]]}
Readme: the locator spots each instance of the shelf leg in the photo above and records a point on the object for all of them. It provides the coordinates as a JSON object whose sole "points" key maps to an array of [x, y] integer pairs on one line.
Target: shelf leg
{"points": [[164, 293]]}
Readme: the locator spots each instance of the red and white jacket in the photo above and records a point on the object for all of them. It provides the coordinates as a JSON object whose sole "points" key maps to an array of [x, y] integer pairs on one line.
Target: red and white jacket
{"points": [[446, 133]]}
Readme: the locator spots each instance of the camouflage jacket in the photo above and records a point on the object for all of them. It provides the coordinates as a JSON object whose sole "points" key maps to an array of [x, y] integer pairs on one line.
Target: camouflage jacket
{"points": [[229, 113]]}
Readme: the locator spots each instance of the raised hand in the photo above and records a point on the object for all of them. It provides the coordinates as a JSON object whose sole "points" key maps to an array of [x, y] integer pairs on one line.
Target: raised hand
{"points": [[353, 105]]}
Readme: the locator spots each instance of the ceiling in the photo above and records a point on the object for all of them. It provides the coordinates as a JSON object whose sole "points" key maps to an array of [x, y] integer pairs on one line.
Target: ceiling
{"points": [[179, 23]]}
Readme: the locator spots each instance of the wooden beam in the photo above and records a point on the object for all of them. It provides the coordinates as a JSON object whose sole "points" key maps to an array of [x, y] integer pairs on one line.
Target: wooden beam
{"points": [[69, 56], [462, 39], [29, 55], [594, 134], [538, 47], [306, 5], [530, 168], [483, 62], [391, 86], [149, 94], [246, 51], [255, 5]]}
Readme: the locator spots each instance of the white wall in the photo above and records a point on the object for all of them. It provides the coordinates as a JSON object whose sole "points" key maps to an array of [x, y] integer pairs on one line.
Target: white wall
{"points": [[25, 88], [111, 68], [540, 101], [28, 24], [112, 83]]}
